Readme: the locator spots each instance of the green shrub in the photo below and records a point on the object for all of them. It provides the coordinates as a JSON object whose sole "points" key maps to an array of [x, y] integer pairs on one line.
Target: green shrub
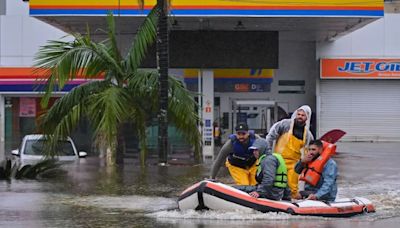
{"points": [[10, 170]]}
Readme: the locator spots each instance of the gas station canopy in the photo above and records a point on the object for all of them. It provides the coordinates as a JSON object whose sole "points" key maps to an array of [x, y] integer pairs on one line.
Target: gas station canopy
{"points": [[306, 20]]}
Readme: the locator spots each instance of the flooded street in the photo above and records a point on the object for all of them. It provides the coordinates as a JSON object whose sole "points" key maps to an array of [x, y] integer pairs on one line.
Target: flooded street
{"points": [[89, 195]]}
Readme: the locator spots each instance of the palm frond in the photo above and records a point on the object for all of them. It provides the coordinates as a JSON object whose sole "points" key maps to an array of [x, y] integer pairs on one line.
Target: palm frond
{"points": [[108, 109], [145, 37], [144, 85], [32, 171], [62, 61], [112, 37], [67, 102], [10, 169], [6, 170], [181, 112], [66, 59], [59, 121], [181, 105], [22, 172]]}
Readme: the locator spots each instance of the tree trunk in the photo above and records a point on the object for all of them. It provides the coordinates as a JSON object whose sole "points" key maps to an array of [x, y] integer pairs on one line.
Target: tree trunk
{"points": [[110, 159], [111, 154], [121, 146], [162, 65]]}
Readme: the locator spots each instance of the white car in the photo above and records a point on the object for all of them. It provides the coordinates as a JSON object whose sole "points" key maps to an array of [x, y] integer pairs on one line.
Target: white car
{"points": [[32, 150]]}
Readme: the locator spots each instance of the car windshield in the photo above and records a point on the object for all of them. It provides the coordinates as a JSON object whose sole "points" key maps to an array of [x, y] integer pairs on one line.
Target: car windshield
{"points": [[36, 147]]}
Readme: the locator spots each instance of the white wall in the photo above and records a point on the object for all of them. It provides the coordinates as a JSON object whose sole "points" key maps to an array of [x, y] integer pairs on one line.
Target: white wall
{"points": [[377, 39], [21, 35]]}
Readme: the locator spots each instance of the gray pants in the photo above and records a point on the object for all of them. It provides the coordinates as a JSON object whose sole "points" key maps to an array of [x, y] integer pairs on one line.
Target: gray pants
{"points": [[272, 193]]}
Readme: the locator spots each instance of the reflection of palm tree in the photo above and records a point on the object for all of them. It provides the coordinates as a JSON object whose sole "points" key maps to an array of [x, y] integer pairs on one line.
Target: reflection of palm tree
{"points": [[125, 95]]}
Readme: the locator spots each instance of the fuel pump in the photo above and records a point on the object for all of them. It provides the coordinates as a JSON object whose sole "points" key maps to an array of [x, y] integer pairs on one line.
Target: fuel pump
{"points": [[259, 115]]}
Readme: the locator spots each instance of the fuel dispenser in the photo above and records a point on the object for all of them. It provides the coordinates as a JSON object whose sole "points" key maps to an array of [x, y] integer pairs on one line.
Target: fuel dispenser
{"points": [[259, 115]]}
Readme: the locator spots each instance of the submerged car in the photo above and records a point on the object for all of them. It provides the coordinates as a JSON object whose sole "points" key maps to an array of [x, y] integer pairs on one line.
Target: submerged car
{"points": [[32, 150]]}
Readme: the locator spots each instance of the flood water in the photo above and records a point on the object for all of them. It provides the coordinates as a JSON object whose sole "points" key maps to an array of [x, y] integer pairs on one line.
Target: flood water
{"points": [[89, 195]]}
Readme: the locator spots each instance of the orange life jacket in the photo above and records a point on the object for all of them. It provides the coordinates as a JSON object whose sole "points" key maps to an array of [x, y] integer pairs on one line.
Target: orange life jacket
{"points": [[313, 170]]}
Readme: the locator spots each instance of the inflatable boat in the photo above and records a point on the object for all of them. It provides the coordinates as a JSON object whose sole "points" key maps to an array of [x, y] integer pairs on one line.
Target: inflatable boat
{"points": [[208, 195]]}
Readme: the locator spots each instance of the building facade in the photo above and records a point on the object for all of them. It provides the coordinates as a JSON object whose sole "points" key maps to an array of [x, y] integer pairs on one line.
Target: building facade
{"points": [[305, 29], [358, 88]]}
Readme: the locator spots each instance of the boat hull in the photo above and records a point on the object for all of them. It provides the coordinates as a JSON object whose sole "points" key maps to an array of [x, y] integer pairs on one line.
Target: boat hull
{"points": [[207, 195]]}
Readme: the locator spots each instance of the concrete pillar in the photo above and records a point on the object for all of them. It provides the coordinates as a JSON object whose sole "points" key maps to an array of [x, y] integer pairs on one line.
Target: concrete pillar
{"points": [[2, 128], [207, 112]]}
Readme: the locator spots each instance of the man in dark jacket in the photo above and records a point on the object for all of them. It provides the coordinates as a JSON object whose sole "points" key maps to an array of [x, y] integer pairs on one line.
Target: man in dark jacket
{"points": [[271, 174]]}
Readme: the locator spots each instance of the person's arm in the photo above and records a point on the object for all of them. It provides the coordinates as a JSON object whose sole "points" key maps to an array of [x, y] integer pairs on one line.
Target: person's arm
{"points": [[276, 130], [298, 168], [221, 158], [269, 165], [329, 174], [310, 137]]}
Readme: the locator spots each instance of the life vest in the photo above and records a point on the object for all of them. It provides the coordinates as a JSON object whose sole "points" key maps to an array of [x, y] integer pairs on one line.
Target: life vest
{"points": [[241, 156], [280, 180], [313, 171]]}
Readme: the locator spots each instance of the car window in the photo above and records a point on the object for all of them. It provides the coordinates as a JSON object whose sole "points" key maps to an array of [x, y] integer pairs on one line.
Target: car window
{"points": [[36, 147], [33, 147]]}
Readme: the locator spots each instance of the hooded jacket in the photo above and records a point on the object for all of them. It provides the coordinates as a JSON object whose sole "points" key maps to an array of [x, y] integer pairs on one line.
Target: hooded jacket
{"points": [[287, 125]]}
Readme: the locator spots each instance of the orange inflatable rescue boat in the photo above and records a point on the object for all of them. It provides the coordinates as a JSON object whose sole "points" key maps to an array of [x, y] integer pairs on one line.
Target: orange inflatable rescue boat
{"points": [[208, 195]]}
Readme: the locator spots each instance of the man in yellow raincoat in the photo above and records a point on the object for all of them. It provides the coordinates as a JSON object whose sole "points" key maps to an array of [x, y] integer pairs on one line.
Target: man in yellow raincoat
{"points": [[291, 136]]}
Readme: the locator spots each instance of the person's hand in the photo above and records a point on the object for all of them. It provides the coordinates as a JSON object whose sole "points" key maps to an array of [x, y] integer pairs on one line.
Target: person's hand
{"points": [[210, 179], [254, 194], [297, 196], [312, 197], [307, 158]]}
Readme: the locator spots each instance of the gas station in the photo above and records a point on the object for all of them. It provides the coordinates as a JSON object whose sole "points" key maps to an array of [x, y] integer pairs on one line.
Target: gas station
{"points": [[254, 62]]}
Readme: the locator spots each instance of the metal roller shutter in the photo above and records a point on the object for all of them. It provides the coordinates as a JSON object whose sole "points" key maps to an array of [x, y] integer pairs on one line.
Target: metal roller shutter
{"points": [[368, 110]]}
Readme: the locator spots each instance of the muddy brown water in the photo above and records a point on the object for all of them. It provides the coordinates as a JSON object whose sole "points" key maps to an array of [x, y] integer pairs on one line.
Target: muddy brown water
{"points": [[90, 195]]}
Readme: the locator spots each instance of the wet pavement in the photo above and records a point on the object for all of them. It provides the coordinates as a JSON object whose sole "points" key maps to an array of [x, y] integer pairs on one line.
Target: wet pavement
{"points": [[90, 195]]}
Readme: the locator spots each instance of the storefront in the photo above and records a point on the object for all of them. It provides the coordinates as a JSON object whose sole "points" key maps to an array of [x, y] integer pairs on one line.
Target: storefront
{"points": [[20, 97], [360, 96]]}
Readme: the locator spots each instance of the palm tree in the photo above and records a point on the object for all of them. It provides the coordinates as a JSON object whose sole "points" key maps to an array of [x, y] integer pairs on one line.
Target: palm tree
{"points": [[162, 65], [162, 54], [127, 94]]}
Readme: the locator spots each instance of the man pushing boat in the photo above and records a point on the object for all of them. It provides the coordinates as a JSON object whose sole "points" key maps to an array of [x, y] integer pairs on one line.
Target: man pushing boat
{"points": [[239, 160]]}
